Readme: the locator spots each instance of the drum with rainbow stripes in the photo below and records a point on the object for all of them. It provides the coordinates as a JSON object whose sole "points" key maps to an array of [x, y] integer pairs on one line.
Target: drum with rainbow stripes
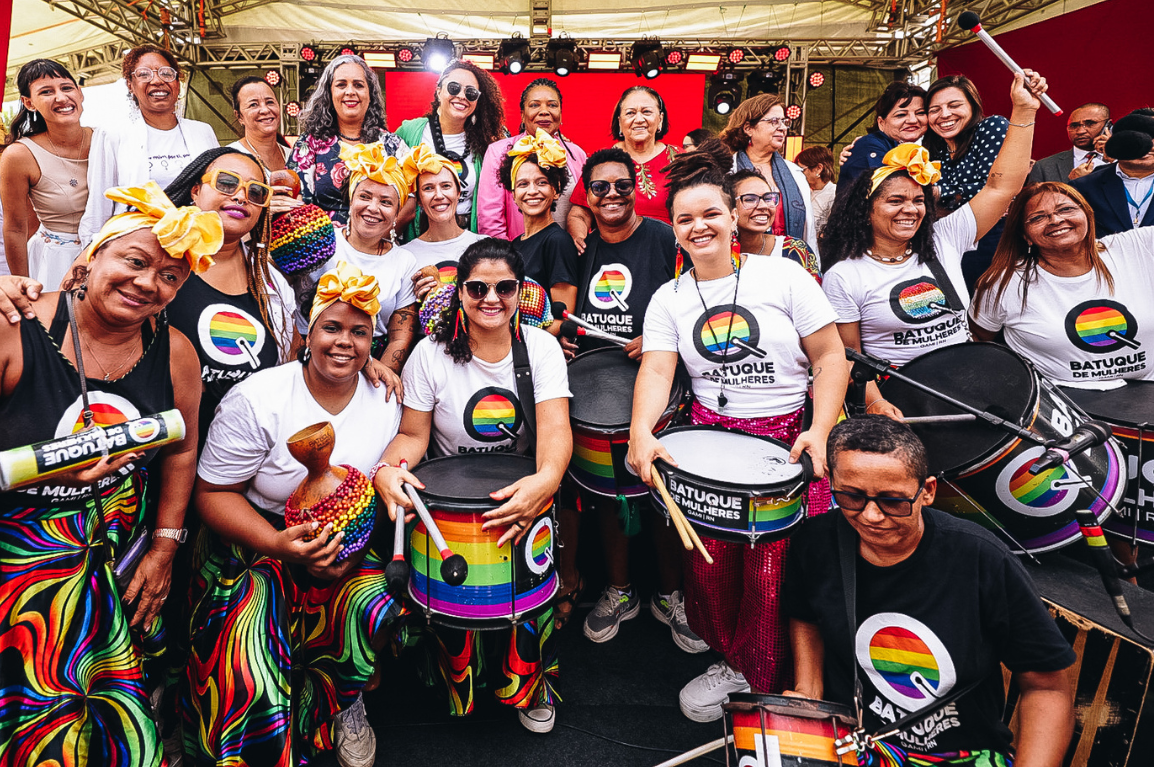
{"points": [[776, 730], [506, 585], [602, 405]]}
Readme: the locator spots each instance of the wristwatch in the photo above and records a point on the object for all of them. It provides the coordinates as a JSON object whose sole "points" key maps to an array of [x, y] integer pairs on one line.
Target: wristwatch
{"points": [[180, 535]]}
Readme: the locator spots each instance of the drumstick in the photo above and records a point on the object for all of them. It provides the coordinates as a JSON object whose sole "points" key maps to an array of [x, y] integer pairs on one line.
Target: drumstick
{"points": [[689, 537], [958, 417], [571, 329], [970, 21], [397, 571], [712, 745], [454, 568]]}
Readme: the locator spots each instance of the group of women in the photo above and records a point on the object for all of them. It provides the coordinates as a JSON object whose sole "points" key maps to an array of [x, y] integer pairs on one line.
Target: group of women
{"points": [[274, 630]]}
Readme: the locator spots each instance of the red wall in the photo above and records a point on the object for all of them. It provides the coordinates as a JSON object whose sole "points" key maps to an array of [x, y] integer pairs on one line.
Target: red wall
{"points": [[1101, 53], [587, 106]]}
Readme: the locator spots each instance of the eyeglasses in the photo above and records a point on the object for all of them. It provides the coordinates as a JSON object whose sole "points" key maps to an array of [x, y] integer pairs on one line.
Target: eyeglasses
{"points": [[227, 182], [784, 122], [476, 289], [144, 74], [770, 199], [891, 507], [1062, 212], [454, 89], [1087, 124], [623, 186]]}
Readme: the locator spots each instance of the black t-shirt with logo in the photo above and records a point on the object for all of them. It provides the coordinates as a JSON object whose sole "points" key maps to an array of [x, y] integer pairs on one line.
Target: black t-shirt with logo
{"points": [[550, 256]]}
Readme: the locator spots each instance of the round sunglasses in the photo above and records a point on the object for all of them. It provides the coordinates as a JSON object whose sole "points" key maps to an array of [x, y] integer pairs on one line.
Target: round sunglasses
{"points": [[478, 289], [623, 186], [454, 89]]}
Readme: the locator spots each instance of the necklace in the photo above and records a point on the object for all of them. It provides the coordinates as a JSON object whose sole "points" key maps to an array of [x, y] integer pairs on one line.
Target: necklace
{"points": [[889, 259], [252, 150], [439, 145], [73, 181], [722, 400], [108, 374], [354, 139], [761, 250]]}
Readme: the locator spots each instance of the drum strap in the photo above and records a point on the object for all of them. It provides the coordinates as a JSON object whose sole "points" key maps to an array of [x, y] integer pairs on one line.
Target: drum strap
{"points": [[953, 300], [523, 374]]}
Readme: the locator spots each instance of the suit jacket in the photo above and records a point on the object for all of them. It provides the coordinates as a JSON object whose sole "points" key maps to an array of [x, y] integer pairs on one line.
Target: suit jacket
{"points": [[1056, 167], [1106, 195]]}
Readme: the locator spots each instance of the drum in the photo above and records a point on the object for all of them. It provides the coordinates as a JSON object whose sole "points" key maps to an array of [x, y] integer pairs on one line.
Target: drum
{"points": [[987, 468], [733, 486], [602, 405], [787, 732], [505, 585], [1130, 412]]}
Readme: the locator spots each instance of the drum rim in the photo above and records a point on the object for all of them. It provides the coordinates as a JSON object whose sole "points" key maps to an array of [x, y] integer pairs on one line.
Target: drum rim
{"points": [[676, 395], [809, 708], [1112, 419], [454, 502], [748, 490]]}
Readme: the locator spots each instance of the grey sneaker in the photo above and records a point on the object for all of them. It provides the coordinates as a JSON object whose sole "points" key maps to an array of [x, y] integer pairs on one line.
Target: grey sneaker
{"points": [[538, 719], [670, 610], [356, 743], [613, 607], [701, 699]]}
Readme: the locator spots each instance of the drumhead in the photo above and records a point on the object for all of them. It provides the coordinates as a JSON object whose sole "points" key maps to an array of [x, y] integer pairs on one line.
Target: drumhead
{"points": [[983, 375], [472, 476], [806, 708], [1127, 405], [602, 384], [721, 455]]}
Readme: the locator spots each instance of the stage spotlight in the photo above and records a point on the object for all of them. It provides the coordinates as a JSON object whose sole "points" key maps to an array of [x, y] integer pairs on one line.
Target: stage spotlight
{"points": [[674, 57], [793, 111], [561, 56], [735, 55], [763, 81], [816, 79], [309, 53], [513, 55], [347, 50], [647, 57], [724, 92], [292, 109], [405, 55], [272, 77], [782, 54], [436, 53], [703, 61]]}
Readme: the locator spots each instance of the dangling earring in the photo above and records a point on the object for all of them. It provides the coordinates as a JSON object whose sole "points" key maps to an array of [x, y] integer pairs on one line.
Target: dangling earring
{"points": [[393, 234], [735, 251], [82, 291], [678, 265], [473, 119], [517, 322], [308, 355], [460, 323]]}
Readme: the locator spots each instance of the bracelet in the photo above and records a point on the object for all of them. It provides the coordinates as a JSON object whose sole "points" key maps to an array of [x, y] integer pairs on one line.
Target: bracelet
{"points": [[180, 535], [874, 402], [1023, 125], [380, 465]]}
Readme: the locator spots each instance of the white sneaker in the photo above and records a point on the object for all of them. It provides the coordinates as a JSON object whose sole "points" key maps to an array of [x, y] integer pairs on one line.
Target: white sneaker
{"points": [[701, 699], [670, 610], [356, 743], [538, 719]]}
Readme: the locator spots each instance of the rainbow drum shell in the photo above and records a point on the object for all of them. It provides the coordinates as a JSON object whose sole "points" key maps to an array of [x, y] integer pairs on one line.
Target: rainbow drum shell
{"points": [[506, 585], [776, 730]]}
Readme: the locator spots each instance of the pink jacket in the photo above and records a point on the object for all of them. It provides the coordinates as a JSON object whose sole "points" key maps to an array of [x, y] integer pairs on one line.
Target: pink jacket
{"points": [[497, 215]]}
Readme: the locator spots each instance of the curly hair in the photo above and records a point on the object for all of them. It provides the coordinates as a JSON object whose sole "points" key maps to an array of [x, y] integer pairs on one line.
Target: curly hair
{"points": [[558, 177], [615, 122], [456, 341], [936, 144], [133, 57], [849, 232], [708, 166], [745, 114], [487, 123], [319, 118], [28, 122]]}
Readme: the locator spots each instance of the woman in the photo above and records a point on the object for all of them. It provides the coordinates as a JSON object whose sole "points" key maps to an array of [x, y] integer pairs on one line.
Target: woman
{"points": [[893, 274], [263, 592], [733, 604], [346, 108], [756, 206], [45, 164], [756, 134], [900, 119], [466, 116], [639, 122], [155, 144], [534, 171], [469, 353], [695, 138], [816, 162], [497, 212], [76, 692], [257, 111]]}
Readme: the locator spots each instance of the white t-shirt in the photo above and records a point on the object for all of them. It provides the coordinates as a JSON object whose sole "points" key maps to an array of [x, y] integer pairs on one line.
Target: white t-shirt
{"points": [[1073, 328], [469, 401], [900, 308], [246, 442], [444, 254], [756, 350], [167, 154], [455, 142]]}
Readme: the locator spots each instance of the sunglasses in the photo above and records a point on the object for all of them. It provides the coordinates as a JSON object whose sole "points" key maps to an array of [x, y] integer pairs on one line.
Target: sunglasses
{"points": [[476, 289], [144, 74], [891, 507], [623, 186], [771, 199], [227, 182], [454, 89]]}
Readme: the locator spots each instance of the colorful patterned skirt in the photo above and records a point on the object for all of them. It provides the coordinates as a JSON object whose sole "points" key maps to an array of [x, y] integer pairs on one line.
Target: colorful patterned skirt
{"points": [[72, 673], [275, 653]]}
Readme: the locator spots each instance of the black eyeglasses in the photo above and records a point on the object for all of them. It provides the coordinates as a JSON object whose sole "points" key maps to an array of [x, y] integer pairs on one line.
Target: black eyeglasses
{"points": [[891, 507], [1087, 124], [623, 186], [144, 74], [771, 199], [454, 89], [476, 289]]}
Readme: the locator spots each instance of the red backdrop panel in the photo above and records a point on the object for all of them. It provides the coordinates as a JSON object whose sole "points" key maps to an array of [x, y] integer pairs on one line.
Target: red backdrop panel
{"points": [[1101, 53], [587, 108]]}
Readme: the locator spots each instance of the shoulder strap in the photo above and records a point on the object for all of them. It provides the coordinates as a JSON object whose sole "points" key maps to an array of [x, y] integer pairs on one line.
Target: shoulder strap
{"points": [[588, 261], [953, 300], [846, 542], [523, 374]]}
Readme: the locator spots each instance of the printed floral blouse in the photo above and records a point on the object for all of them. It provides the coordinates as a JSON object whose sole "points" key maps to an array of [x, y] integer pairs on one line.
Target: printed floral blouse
{"points": [[318, 162], [651, 190]]}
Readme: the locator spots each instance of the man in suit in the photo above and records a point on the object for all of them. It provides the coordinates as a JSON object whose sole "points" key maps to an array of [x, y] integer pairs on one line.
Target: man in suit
{"points": [[1087, 132], [1121, 194]]}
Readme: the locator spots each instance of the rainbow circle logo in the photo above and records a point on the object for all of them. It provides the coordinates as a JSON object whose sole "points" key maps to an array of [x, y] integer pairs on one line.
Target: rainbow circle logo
{"points": [[727, 334], [1037, 495], [610, 287], [490, 412], [539, 546], [144, 429], [107, 410], [906, 661], [917, 301], [230, 336], [1101, 326]]}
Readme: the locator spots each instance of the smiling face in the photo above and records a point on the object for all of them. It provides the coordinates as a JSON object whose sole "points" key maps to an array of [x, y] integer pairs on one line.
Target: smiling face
{"points": [[154, 96], [613, 209], [897, 210], [1054, 221], [458, 106], [906, 124], [703, 223], [640, 118], [492, 311], [373, 210], [340, 341], [437, 194], [764, 135], [532, 192], [350, 93], [259, 112], [237, 214], [57, 99], [759, 218], [949, 113], [542, 110], [882, 475], [132, 278]]}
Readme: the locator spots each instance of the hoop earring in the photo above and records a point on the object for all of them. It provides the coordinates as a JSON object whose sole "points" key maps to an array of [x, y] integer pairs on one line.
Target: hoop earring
{"points": [[460, 323]]}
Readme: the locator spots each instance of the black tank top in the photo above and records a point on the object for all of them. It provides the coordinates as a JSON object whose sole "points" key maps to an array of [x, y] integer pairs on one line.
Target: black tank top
{"points": [[46, 402]]}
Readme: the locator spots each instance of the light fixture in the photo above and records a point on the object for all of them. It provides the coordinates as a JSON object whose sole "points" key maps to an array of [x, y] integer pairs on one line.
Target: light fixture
{"points": [[816, 79], [436, 53], [782, 54], [793, 111], [763, 81], [380, 59], [481, 59], [513, 55], [674, 57], [405, 55], [347, 50], [735, 55], [603, 60], [724, 92], [309, 53], [292, 109], [703, 61], [272, 77], [648, 58], [561, 56]]}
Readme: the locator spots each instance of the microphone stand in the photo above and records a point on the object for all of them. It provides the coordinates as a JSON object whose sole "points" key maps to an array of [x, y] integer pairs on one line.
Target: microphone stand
{"points": [[859, 377]]}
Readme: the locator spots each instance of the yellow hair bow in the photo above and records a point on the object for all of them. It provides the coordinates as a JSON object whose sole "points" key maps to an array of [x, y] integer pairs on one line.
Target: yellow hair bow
{"points": [[349, 284], [550, 153], [369, 161], [424, 160], [911, 158], [188, 233]]}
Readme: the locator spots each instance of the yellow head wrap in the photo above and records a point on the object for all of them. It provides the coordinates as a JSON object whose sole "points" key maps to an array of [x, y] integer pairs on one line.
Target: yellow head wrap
{"points": [[189, 233], [369, 161], [349, 284], [424, 160], [911, 158], [549, 152]]}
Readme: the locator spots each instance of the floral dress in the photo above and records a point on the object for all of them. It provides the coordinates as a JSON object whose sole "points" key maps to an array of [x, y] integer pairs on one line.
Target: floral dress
{"points": [[318, 162]]}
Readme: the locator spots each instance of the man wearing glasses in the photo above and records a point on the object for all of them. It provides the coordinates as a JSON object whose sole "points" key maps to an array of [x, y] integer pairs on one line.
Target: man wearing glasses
{"points": [[1088, 129], [940, 605]]}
